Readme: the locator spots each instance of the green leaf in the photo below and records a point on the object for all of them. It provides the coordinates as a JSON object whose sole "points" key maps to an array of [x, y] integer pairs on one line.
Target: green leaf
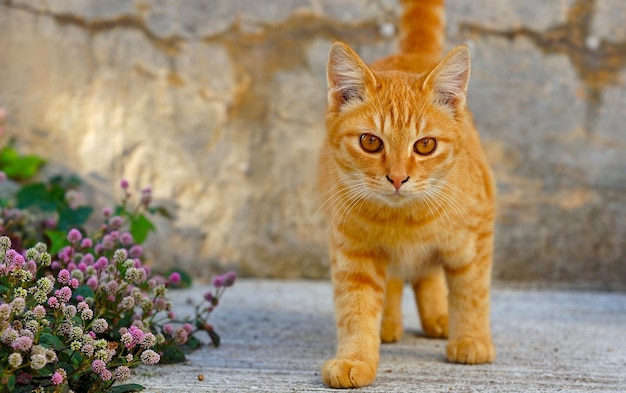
{"points": [[76, 359], [71, 218], [172, 354], [140, 227], [19, 167], [11, 382], [160, 210], [69, 369], [36, 195], [131, 387], [193, 343], [3, 289], [83, 291], [58, 240], [51, 341]]}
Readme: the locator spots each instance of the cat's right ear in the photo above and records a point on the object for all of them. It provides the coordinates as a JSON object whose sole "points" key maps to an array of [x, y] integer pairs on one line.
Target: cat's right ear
{"points": [[347, 75]]}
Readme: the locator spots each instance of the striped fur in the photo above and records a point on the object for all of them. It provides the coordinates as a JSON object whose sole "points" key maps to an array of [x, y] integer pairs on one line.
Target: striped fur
{"points": [[395, 215]]}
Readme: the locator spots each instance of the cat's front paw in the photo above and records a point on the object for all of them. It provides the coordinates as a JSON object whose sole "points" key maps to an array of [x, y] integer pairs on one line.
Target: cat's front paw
{"points": [[471, 350], [391, 330], [346, 373]]}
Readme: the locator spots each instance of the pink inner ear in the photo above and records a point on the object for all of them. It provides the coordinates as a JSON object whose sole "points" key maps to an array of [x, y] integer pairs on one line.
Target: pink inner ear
{"points": [[450, 78], [347, 75]]}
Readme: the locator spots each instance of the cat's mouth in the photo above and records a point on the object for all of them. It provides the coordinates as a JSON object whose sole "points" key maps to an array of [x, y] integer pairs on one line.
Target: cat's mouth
{"points": [[396, 197]]}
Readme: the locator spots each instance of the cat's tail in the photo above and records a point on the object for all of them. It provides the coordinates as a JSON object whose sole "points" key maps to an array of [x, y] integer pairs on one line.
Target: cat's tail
{"points": [[422, 28]]}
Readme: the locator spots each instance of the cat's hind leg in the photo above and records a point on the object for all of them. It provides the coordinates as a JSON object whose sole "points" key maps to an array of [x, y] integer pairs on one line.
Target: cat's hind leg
{"points": [[431, 296]]}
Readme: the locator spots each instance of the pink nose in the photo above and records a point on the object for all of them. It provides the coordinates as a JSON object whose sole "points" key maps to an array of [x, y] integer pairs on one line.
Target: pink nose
{"points": [[397, 181]]}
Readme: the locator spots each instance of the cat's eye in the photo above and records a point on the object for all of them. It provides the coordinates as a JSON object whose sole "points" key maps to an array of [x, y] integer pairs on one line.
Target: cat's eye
{"points": [[425, 146], [371, 143]]}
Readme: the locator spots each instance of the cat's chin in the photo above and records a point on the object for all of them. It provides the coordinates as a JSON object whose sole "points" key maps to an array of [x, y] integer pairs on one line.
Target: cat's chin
{"points": [[396, 198]]}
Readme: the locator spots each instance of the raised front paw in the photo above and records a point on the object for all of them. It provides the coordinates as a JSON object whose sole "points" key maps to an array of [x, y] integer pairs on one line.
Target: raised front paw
{"points": [[391, 330], [471, 350], [345, 373]]}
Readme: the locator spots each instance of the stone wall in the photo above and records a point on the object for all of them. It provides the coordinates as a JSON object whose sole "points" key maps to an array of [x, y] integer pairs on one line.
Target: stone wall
{"points": [[218, 105]]}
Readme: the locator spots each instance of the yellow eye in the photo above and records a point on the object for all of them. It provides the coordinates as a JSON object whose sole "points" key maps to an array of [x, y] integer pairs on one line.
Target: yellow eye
{"points": [[425, 146], [371, 143]]}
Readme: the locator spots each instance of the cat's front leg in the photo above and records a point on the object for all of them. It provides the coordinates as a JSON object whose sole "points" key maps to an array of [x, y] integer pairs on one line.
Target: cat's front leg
{"points": [[359, 285], [469, 284]]}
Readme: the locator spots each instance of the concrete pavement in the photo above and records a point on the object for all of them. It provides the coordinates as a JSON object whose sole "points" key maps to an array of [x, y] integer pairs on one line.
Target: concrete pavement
{"points": [[276, 335]]}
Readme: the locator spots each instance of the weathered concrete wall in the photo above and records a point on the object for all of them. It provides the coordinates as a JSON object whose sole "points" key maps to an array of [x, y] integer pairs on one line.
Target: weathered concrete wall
{"points": [[219, 106]]}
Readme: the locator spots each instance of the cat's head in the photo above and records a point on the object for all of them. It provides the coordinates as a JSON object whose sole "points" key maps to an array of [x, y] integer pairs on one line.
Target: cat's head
{"points": [[395, 135]]}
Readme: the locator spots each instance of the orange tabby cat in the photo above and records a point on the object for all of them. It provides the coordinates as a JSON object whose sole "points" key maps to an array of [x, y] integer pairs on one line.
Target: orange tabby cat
{"points": [[409, 195]]}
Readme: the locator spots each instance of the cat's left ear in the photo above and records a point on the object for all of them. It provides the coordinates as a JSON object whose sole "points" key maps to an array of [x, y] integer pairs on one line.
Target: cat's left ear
{"points": [[347, 75], [449, 79]]}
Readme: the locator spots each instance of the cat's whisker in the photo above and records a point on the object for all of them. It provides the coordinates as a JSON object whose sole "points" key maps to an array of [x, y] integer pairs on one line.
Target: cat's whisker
{"points": [[346, 180], [443, 218], [357, 194]]}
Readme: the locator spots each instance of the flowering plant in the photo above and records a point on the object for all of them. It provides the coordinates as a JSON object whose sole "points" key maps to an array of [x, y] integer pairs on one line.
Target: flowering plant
{"points": [[81, 320]]}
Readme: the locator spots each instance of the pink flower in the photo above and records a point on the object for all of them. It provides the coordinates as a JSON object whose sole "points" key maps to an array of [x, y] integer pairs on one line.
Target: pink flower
{"points": [[64, 294], [150, 357], [188, 328], [22, 343], [181, 336], [64, 276], [146, 196], [106, 375], [74, 283], [137, 334], [218, 281], [122, 374], [124, 184], [86, 243], [168, 329], [106, 212], [82, 306], [229, 278], [65, 253], [98, 366], [31, 266], [175, 278], [53, 302], [116, 222], [39, 311], [101, 263], [136, 251], [87, 260], [19, 261], [92, 283], [57, 378], [126, 238], [74, 236]]}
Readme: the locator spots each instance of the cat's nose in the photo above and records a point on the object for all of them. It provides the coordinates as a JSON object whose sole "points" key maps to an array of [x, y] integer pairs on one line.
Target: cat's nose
{"points": [[397, 181]]}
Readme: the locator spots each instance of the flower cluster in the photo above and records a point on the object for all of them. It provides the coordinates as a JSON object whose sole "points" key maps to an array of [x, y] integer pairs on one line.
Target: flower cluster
{"points": [[80, 320]]}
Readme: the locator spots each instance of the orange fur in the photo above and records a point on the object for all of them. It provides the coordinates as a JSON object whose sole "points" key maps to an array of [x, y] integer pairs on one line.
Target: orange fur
{"points": [[400, 210]]}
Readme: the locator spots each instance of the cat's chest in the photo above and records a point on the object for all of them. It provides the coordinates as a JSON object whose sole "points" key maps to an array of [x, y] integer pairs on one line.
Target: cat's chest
{"points": [[407, 231]]}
